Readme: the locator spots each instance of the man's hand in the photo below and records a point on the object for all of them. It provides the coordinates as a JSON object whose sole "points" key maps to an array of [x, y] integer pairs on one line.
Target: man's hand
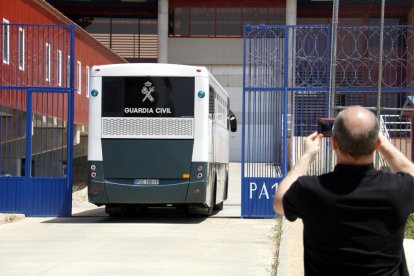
{"points": [[312, 145], [397, 161]]}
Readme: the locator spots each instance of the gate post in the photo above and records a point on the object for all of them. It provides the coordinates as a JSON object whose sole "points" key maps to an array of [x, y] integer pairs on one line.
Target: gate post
{"points": [[286, 66], [27, 194], [71, 115]]}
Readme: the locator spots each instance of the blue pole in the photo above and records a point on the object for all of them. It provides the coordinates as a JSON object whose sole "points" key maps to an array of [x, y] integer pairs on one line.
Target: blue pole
{"points": [[71, 110], [243, 102], [285, 100], [26, 204], [29, 111]]}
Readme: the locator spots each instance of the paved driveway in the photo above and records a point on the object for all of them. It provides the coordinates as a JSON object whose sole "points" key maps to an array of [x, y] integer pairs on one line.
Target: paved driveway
{"points": [[162, 243]]}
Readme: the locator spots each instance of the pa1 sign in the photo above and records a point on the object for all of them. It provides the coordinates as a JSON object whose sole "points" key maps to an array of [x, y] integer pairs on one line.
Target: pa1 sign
{"points": [[257, 197]]}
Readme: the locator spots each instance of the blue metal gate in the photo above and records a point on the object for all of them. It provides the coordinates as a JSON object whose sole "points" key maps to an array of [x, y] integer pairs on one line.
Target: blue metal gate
{"points": [[36, 119], [265, 104], [286, 89]]}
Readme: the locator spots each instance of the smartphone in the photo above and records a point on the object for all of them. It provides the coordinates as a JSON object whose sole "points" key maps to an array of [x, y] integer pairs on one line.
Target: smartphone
{"points": [[325, 126]]}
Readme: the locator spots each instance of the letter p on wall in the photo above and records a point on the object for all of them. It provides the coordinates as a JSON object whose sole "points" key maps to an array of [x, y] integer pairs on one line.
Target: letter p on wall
{"points": [[253, 187]]}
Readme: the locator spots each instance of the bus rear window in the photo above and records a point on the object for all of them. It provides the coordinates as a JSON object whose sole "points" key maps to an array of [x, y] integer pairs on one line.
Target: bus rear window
{"points": [[148, 97]]}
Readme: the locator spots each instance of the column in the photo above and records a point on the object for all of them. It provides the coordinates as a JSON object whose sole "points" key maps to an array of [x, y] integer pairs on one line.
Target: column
{"points": [[291, 14], [163, 31]]}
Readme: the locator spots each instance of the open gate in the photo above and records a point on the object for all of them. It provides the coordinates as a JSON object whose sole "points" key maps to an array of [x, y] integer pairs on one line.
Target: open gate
{"points": [[286, 89], [265, 103], [36, 119]]}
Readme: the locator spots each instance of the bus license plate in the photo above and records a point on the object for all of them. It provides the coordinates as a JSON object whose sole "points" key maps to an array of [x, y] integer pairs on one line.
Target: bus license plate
{"points": [[146, 181]]}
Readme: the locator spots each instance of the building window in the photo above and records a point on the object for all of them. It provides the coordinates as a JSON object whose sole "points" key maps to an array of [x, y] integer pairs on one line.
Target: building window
{"points": [[21, 49], [79, 87], [255, 16], [276, 16], [68, 73], [228, 22], [220, 22], [202, 22], [59, 67], [6, 41], [181, 22], [88, 75], [47, 61]]}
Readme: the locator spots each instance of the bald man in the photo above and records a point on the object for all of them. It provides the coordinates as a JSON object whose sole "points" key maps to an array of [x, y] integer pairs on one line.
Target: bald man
{"points": [[354, 217]]}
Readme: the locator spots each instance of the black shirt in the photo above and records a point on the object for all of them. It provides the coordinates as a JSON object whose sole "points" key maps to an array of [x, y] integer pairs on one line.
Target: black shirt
{"points": [[354, 219]]}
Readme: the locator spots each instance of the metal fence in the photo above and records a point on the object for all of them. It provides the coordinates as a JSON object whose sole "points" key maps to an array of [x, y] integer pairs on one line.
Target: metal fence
{"points": [[264, 118], [368, 12], [36, 119], [287, 75]]}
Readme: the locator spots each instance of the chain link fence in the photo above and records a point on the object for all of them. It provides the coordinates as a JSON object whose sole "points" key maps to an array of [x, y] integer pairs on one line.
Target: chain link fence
{"points": [[368, 12], [371, 57]]}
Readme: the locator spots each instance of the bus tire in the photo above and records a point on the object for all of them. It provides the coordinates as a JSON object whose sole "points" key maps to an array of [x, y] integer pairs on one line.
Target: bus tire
{"points": [[198, 210], [226, 190], [214, 195], [115, 211], [219, 206]]}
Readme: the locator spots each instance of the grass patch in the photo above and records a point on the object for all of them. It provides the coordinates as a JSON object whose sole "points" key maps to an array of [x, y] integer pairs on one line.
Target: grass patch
{"points": [[409, 227]]}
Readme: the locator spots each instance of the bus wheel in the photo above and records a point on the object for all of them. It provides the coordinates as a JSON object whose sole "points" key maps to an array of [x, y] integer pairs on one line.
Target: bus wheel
{"points": [[219, 206], [198, 210], [115, 210], [226, 191]]}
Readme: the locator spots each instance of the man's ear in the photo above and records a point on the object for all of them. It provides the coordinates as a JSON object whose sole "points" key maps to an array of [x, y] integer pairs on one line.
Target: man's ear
{"points": [[378, 144], [334, 143]]}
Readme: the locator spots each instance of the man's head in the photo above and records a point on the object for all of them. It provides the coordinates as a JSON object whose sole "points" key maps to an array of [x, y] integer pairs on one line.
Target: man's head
{"points": [[355, 132]]}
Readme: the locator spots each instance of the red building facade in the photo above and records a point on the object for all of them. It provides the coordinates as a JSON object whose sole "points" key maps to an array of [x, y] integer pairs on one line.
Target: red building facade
{"points": [[39, 56]]}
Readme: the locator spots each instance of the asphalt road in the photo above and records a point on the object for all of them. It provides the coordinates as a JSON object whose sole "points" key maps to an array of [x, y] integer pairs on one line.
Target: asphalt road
{"points": [[164, 242]]}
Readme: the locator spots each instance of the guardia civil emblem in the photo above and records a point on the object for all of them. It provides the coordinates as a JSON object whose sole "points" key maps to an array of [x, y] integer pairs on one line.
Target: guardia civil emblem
{"points": [[147, 90]]}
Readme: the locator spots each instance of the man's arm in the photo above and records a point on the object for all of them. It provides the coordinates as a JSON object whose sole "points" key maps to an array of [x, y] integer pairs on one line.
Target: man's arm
{"points": [[311, 148], [397, 161]]}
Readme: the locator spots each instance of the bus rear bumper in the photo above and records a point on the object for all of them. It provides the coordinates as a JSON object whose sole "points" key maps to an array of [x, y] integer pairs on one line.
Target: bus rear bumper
{"points": [[102, 193]]}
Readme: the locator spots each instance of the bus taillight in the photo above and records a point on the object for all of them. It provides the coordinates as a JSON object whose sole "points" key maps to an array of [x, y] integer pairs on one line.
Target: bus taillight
{"points": [[93, 174]]}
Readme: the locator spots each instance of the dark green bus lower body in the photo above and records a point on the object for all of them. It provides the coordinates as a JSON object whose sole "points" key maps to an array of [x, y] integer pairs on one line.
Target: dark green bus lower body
{"points": [[138, 173]]}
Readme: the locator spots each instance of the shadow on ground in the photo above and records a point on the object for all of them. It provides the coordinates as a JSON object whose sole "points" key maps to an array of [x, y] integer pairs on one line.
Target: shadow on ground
{"points": [[154, 215]]}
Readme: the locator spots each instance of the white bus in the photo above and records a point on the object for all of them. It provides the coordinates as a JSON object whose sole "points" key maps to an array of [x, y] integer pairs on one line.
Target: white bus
{"points": [[158, 136]]}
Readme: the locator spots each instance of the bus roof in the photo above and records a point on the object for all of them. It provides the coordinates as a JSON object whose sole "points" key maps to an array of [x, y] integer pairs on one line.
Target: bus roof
{"points": [[149, 69]]}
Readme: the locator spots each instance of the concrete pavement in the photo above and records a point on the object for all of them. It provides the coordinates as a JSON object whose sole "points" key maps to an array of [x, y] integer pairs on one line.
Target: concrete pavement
{"points": [[91, 243], [291, 250], [163, 243]]}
